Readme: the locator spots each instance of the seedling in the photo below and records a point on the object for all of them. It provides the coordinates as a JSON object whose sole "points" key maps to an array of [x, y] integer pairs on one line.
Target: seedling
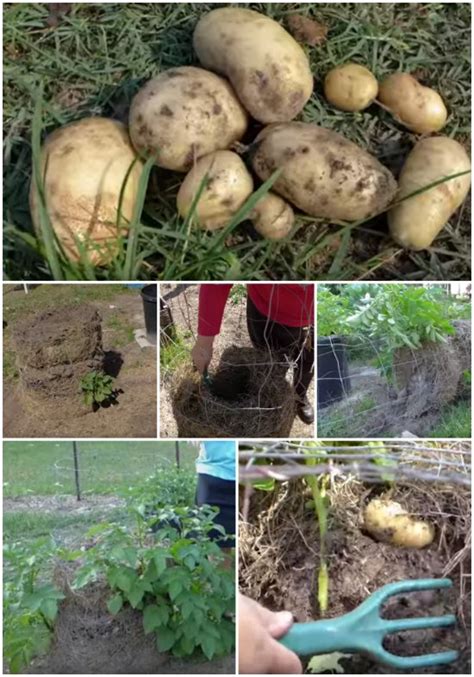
{"points": [[98, 389]]}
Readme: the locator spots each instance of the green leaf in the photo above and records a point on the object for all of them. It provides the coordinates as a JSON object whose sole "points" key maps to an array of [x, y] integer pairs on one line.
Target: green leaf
{"points": [[125, 579], [135, 595], [165, 639], [49, 607], [209, 646], [154, 617], [114, 604], [175, 588], [159, 559]]}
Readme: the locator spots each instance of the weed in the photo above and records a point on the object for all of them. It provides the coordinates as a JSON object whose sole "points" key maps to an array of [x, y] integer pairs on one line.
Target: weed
{"points": [[455, 421]]}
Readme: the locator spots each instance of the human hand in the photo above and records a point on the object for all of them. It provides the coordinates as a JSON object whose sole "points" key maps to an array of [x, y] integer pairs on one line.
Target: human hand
{"points": [[259, 651], [202, 352]]}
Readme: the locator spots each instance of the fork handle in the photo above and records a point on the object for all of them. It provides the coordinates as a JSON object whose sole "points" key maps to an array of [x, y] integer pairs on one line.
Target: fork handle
{"points": [[326, 636]]}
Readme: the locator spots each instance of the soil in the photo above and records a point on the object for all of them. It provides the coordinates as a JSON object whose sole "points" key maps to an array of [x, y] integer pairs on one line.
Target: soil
{"points": [[134, 369], [280, 552], [182, 300]]}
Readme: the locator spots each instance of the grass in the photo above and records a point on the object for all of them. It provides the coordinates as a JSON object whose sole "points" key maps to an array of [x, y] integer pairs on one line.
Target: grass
{"points": [[455, 421], [46, 468], [123, 330], [97, 57]]}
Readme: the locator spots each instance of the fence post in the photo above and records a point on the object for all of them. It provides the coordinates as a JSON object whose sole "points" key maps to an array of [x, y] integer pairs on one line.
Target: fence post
{"points": [[177, 454], [76, 471]]}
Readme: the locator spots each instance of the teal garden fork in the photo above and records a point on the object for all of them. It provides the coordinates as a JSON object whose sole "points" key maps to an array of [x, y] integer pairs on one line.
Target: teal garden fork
{"points": [[363, 630]]}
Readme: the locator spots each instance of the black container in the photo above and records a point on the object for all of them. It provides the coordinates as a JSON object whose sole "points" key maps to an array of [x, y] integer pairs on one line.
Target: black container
{"points": [[333, 371], [149, 295]]}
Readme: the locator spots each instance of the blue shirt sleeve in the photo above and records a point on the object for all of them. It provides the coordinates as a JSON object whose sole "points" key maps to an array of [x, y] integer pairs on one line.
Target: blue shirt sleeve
{"points": [[217, 459]]}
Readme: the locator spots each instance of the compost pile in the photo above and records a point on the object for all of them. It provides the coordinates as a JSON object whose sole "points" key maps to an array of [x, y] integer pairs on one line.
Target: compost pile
{"points": [[55, 349], [249, 395], [433, 376], [279, 556]]}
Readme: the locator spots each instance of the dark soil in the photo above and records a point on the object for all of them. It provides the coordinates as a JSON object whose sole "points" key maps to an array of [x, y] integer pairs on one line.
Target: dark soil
{"points": [[358, 565], [134, 368]]}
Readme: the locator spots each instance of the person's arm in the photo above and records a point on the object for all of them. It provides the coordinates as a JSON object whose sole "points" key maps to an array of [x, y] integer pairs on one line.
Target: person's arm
{"points": [[212, 300], [259, 651]]}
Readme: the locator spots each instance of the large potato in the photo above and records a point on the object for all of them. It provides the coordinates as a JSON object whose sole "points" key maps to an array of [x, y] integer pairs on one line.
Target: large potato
{"points": [[415, 222], [86, 164], [229, 185], [350, 87], [419, 108], [324, 174], [267, 68], [389, 522], [183, 114]]}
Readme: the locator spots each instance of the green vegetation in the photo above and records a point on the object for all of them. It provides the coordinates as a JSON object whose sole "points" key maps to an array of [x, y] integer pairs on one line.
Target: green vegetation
{"points": [[175, 351], [98, 389], [455, 421], [95, 57], [123, 330]]}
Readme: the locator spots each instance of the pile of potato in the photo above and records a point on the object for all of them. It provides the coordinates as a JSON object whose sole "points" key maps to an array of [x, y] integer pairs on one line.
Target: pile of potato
{"points": [[191, 120]]}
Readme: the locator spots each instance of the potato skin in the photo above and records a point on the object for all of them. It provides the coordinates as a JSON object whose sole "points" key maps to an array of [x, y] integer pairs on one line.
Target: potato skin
{"points": [[350, 87], [87, 162], [419, 108], [324, 174], [229, 185], [389, 522], [272, 217], [266, 66], [183, 114], [416, 222]]}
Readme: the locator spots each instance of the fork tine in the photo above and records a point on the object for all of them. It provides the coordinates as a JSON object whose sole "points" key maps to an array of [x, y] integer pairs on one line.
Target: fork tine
{"points": [[401, 624], [413, 662], [381, 595]]}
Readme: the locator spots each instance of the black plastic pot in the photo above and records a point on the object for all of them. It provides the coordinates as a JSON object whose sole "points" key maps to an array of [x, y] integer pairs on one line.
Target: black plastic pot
{"points": [[333, 372], [149, 296]]}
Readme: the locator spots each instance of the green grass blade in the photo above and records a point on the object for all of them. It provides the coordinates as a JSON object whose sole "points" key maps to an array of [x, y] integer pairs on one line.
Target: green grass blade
{"points": [[134, 227]]}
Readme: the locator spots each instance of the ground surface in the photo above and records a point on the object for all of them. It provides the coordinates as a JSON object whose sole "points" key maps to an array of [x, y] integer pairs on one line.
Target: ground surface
{"points": [[91, 59], [183, 301], [280, 551], [134, 368]]}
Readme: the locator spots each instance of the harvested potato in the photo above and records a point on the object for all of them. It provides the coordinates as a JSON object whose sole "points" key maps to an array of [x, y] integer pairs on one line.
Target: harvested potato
{"points": [[324, 174], [229, 185], [272, 217], [350, 87], [419, 108], [416, 222], [183, 114], [388, 522], [267, 68], [87, 162]]}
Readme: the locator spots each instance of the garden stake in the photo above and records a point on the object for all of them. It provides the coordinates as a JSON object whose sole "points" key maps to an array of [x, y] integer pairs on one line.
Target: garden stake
{"points": [[363, 630]]}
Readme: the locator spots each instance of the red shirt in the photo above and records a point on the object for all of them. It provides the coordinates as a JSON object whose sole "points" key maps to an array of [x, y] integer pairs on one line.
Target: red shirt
{"points": [[288, 304]]}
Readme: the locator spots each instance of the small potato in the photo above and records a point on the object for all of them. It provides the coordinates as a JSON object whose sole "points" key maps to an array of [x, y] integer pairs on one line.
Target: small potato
{"points": [[183, 114], [419, 108], [415, 222], [350, 87], [323, 174], [86, 164], [272, 217], [388, 522], [266, 66], [229, 185]]}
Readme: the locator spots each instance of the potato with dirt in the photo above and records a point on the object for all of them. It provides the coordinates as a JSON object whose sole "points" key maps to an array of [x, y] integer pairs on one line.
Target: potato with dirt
{"points": [[267, 68], [350, 87], [86, 164], [389, 522], [419, 108], [229, 184], [416, 221], [272, 217], [183, 114], [323, 174]]}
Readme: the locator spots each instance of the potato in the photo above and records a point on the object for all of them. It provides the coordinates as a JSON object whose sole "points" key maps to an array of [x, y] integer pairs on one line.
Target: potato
{"points": [[416, 222], [229, 185], [324, 174], [419, 108], [183, 114], [267, 68], [388, 522], [272, 217], [87, 162], [350, 87]]}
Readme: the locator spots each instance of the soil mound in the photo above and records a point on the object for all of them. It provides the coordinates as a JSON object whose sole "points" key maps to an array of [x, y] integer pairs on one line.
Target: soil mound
{"points": [[55, 349], [249, 396]]}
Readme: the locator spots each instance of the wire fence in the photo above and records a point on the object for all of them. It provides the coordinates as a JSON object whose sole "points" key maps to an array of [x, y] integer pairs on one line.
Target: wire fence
{"points": [[373, 463]]}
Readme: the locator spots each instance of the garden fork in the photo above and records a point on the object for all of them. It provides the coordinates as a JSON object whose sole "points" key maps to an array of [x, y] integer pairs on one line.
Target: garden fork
{"points": [[363, 630]]}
